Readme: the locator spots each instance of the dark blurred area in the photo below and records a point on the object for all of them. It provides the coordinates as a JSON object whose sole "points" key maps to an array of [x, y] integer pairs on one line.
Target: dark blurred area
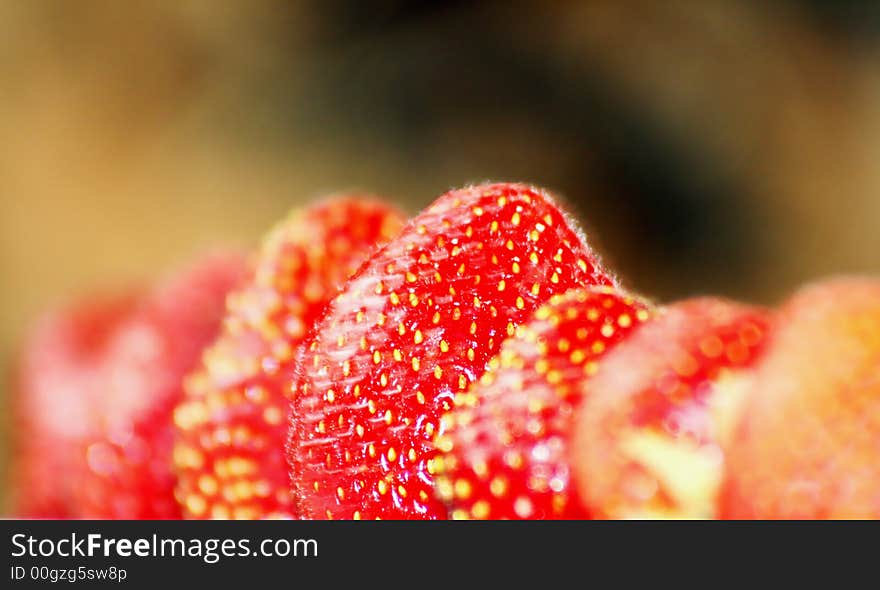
{"points": [[712, 146]]}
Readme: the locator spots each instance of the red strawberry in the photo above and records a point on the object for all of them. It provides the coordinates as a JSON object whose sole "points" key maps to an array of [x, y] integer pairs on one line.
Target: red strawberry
{"points": [[414, 326], [232, 424], [129, 461], [504, 453], [648, 435], [59, 372], [108, 430], [809, 443]]}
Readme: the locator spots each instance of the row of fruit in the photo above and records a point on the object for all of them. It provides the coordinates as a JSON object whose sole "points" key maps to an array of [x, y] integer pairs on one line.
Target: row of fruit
{"points": [[477, 361]]}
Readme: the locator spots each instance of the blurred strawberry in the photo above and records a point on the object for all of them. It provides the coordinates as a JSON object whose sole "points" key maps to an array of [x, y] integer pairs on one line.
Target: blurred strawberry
{"points": [[59, 374], [98, 406], [809, 443], [232, 423], [505, 450], [415, 325], [648, 435]]}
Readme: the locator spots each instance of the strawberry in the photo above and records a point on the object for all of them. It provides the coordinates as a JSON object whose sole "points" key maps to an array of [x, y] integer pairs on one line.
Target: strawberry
{"points": [[648, 436], [809, 444], [129, 471], [232, 423], [106, 432], [415, 325], [504, 451], [59, 370]]}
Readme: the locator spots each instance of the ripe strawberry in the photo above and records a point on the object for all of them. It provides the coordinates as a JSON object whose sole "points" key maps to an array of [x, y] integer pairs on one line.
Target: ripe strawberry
{"points": [[648, 435], [108, 430], [809, 443], [504, 453], [59, 372], [416, 324], [232, 424], [129, 471]]}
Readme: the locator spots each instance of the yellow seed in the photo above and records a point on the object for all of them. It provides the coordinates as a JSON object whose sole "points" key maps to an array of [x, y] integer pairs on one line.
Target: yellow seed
{"points": [[462, 489], [498, 486], [480, 510]]}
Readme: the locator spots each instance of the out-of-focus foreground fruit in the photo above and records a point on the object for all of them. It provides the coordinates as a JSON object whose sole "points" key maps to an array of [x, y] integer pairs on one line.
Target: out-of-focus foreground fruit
{"points": [[414, 326], [506, 442], [96, 388], [232, 424], [650, 432], [809, 443]]}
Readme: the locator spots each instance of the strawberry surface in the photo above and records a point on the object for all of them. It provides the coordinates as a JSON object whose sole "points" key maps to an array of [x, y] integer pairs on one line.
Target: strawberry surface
{"points": [[232, 423], [505, 447], [649, 434], [415, 325], [808, 446]]}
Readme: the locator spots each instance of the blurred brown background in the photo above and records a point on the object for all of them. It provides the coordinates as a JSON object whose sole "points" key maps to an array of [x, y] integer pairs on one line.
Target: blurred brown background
{"points": [[710, 145]]}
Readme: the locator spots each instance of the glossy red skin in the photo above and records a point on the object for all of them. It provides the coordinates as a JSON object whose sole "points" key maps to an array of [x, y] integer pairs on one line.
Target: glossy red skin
{"points": [[505, 449], [660, 383], [808, 446], [414, 326], [60, 367], [109, 430], [232, 424]]}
